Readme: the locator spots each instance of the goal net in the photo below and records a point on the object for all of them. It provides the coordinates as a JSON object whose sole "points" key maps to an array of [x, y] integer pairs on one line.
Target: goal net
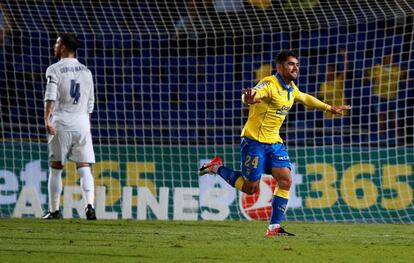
{"points": [[169, 77]]}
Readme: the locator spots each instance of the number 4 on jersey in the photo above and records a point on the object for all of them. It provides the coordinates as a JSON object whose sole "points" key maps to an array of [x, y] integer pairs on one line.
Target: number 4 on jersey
{"points": [[74, 91]]}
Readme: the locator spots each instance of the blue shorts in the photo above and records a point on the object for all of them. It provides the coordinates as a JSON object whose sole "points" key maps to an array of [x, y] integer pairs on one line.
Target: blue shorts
{"points": [[258, 158]]}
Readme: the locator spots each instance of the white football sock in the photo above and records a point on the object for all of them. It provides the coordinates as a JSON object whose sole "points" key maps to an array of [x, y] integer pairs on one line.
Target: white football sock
{"points": [[54, 188], [86, 182]]}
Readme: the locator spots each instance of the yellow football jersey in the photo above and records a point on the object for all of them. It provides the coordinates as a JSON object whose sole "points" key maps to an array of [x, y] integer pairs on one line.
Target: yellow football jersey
{"points": [[266, 118]]}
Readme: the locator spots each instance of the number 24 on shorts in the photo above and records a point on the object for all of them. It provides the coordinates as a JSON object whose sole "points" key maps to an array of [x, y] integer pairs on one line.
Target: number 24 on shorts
{"points": [[254, 162]]}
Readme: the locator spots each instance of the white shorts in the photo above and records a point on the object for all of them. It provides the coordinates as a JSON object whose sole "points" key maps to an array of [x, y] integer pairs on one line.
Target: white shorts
{"points": [[73, 145]]}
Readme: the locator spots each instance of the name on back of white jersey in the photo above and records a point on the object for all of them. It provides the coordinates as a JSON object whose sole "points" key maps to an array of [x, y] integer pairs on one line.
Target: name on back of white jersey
{"points": [[72, 69]]}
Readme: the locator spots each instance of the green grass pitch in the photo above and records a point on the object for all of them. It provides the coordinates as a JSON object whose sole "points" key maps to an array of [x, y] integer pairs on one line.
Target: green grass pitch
{"points": [[34, 240]]}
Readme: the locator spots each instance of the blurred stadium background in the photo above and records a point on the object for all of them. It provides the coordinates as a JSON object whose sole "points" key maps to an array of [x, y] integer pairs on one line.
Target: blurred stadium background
{"points": [[169, 75]]}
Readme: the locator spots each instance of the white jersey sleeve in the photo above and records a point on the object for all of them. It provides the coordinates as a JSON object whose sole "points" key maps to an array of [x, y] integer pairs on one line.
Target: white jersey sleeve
{"points": [[52, 84]]}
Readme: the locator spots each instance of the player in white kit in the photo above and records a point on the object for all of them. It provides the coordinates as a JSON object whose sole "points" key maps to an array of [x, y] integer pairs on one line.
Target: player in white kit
{"points": [[69, 101]]}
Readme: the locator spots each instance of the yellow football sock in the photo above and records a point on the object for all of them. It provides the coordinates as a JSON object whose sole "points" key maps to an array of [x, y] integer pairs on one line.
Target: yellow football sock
{"points": [[281, 193], [239, 183]]}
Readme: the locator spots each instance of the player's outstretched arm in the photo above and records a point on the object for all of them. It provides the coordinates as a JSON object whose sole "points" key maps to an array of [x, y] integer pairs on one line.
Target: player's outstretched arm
{"points": [[312, 102]]}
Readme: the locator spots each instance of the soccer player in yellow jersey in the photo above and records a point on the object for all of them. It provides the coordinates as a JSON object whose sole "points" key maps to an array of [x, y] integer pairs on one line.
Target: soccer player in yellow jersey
{"points": [[385, 77], [262, 148], [332, 90]]}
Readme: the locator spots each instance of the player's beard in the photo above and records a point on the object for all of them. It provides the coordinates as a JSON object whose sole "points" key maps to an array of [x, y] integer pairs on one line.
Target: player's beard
{"points": [[58, 52], [293, 76]]}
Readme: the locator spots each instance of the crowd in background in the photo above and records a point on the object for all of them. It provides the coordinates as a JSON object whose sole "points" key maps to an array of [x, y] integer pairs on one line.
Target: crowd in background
{"points": [[158, 60]]}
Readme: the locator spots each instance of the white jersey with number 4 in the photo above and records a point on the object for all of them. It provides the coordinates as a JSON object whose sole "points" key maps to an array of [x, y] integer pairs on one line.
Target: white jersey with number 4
{"points": [[70, 85]]}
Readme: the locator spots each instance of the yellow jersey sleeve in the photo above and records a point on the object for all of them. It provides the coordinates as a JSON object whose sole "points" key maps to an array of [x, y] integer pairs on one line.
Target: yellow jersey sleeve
{"points": [[263, 90], [312, 102]]}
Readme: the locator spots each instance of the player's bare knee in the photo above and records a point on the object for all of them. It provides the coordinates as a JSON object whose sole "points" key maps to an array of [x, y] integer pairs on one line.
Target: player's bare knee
{"points": [[56, 165], [250, 188], [283, 177], [285, 183], [80, 165]]}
